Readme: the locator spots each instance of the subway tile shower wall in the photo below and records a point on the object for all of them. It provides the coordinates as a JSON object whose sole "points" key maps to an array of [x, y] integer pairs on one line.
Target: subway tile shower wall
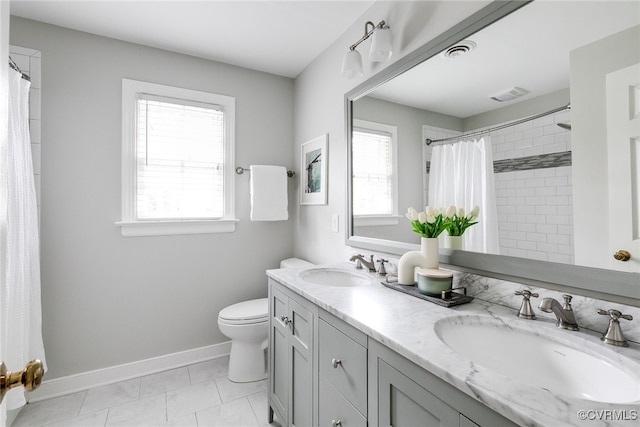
{"points": [[532, 163], [29, 62]]}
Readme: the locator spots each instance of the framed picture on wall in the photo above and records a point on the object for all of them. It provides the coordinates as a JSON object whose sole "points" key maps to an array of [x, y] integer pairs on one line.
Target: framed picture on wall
{"points": [[313, 170]]}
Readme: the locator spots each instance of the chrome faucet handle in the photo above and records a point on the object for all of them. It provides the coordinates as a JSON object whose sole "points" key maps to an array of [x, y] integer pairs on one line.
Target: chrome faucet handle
{"points": [[526, 293], [382, 271], [613, 335], [526, 312]]}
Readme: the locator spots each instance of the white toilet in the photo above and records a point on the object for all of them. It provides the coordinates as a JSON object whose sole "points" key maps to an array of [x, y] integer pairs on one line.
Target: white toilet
{"points": [[247, 324]]}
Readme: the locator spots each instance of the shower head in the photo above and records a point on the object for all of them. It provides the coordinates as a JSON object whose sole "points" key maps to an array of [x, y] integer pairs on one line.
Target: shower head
{"points": [[565, 126]]}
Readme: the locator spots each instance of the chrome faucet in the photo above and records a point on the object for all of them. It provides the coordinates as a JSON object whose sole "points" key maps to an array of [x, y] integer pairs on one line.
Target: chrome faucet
{"points": [[361, 261], [564, 313], [382, 271], [613, 335], [526, 312]]}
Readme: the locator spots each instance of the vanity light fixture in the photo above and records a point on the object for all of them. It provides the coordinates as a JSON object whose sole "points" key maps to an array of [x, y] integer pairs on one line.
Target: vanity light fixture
{"points": [[380, 49]]}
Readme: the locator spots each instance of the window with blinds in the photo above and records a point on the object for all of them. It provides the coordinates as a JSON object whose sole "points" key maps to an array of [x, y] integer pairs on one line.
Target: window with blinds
{"points": [[373, 172], [180, 159], [177, 160]]}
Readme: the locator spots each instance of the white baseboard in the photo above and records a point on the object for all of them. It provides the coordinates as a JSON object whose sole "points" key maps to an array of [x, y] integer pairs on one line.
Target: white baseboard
{"points": [[78, 382]]}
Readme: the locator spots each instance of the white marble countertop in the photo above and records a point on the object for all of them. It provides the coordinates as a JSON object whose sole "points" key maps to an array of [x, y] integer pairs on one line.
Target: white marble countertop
{"points": [[406, 325]]}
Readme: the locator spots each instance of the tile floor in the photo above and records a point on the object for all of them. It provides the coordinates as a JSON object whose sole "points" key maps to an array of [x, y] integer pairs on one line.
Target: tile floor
{"points": [[194, 396]]}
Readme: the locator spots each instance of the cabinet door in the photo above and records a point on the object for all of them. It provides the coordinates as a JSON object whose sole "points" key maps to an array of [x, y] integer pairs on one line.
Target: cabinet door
{"points": [[402, 402], [301, 359], [279, 354]]}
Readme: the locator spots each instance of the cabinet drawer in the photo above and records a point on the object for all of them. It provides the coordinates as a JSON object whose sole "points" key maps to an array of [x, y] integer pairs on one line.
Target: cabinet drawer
{"points": [[334, 407], [349, 375]]}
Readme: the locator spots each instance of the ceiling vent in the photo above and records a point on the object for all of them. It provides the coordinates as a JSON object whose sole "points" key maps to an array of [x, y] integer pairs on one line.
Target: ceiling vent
{"points": [[509, 94], [461, 48]]}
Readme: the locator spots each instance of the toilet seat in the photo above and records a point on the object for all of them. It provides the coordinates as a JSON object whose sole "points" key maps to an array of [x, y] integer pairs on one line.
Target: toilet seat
{"points": [[246, 312]]}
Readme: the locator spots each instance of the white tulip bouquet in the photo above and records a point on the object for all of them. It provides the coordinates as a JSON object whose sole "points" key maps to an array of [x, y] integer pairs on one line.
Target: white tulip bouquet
{"points": [[460, 221], [429, 223], [433, 221]]}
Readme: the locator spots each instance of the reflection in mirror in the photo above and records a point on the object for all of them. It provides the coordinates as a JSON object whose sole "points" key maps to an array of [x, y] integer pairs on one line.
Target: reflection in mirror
{"points": [[374, 173], [512, 84]]}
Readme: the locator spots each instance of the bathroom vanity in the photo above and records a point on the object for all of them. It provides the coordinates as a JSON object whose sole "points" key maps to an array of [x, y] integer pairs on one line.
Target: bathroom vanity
{"points": [[344, 350]]}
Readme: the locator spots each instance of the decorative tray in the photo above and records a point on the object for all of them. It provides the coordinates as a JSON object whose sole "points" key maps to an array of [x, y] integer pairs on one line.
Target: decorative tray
{"points": [[448, 299]]}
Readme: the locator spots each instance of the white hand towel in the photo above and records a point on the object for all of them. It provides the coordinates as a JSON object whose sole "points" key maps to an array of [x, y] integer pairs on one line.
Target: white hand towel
{"points": [[269, 198]]}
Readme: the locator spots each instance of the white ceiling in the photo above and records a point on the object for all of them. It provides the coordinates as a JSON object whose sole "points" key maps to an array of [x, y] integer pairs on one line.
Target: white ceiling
{"points": [[279, 37], [529, 49]]}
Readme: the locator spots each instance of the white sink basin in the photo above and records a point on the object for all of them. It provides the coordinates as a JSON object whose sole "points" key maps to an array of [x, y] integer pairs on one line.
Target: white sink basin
{"points": [[335, 277], [539, 361]]}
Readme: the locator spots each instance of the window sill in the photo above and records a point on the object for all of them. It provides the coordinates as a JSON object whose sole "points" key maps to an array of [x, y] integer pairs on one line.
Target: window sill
{"points": [[374, 220], [171, 228]]}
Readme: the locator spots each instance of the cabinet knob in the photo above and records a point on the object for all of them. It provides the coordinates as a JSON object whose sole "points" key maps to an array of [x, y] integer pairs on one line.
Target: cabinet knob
{"points": [[336, 423], [285, 320], [336, 362]]}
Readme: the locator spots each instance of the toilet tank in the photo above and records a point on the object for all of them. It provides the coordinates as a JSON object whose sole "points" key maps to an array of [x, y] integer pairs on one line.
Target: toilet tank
{"points": [[294, 263]]}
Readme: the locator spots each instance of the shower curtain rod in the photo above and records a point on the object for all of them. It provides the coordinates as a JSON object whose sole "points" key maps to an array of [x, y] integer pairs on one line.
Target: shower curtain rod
{"points": [[15, 67], [506, 125]]}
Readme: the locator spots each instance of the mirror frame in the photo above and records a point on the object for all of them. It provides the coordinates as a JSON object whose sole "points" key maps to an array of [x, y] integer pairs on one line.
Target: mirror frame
{"points": [[621, 287]]}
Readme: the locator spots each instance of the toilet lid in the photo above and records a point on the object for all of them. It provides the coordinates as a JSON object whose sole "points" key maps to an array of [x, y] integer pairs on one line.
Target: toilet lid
{"points": [[252, 310]]}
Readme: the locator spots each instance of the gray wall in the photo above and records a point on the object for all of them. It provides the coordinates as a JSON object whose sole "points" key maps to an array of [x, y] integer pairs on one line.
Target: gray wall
{"points": [[319, 107], [109, 300]]}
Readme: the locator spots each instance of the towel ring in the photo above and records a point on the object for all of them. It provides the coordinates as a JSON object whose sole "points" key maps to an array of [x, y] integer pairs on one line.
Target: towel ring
{"points": [[240, 170]]}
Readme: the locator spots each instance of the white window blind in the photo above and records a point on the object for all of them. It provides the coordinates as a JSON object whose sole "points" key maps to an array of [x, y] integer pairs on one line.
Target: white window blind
{"points": [[180, 159], [177, 161], [373, 189]]}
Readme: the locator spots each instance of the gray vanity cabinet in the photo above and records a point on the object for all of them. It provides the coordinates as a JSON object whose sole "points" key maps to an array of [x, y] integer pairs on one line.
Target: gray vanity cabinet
{"points": [[403, 394], [466, 422], [325, 372], [291, 367], [403, 402], [342, 371]]}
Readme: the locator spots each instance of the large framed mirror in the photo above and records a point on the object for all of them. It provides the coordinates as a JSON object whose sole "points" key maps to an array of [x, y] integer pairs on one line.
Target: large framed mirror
{"points": [[533, 78]]}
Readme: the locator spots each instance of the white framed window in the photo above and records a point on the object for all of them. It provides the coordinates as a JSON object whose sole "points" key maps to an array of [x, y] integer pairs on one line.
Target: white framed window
{"points": [[177, 161], [375, 184]]}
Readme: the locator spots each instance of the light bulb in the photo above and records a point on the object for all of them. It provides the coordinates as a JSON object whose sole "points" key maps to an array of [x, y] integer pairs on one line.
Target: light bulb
{"points": [[352, 64], [380, 45]]}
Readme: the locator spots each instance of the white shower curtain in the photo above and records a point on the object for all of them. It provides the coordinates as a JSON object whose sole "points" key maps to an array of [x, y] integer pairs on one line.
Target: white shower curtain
{"points": [[461, 174], [21, 315]]}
